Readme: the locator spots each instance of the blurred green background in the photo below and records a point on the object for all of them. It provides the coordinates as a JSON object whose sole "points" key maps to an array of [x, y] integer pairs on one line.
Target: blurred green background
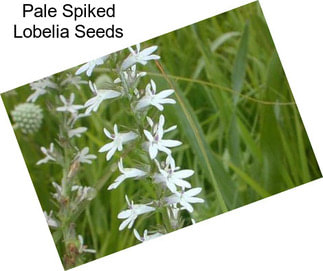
{"points": [[237, 118]]}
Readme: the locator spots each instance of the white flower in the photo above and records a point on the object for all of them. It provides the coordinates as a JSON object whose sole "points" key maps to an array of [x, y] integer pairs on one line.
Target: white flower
{"points": [[132, 213], [73, 80], [83, 248], [155, 138], [77, 132], [126, 173], [139, 57], [34, 96], [84, 157], [145, 236], [118, 140], [68, 105], [49, 154], [52, 222], [40, 88], [43, 83], [89, 67], [84, 192], [100, 95], [131, 76], [157, 100], [185, 198], [172, 176]]}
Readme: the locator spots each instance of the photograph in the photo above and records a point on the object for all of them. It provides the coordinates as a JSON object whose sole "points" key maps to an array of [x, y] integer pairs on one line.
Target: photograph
{"points": [[161, 135]]}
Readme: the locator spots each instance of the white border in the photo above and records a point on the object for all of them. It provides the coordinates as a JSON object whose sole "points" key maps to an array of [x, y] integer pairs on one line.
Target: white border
{"points": [[283, 232]]}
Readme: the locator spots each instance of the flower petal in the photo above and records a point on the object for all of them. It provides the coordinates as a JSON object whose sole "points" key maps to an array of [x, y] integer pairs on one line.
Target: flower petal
{"points": [[107, 147], [187, 206], [82, 69], [164, 93], [128, 136], [109, 93], [182, 183], [171, 186], [153, 151], [142, 209], [117, 182], [195, 200], [143, 103], [193, 192], [149, 136], [124, 214], [148, 50], [157, 105], [185, 173], [170, 143], [124, 224], [167, 101], [111, 153]]}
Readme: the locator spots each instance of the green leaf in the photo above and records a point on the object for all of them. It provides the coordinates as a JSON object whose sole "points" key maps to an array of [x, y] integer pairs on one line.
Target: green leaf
{"points": [[250, 181], [214, 46], [270, 130], [239, 68], [211, 166], [237, 80]]}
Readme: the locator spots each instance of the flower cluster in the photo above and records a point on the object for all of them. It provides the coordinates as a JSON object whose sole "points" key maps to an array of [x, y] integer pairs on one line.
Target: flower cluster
{"points": [[158, 168], [69, 195], [142, 148]]}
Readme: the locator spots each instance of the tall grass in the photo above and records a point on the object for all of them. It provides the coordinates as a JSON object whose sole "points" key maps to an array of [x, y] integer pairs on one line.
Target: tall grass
{"points": [[237, 118]]}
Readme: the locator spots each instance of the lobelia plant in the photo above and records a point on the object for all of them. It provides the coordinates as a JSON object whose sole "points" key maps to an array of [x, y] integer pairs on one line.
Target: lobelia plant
{"points": [[144, 143], [70, 196]]}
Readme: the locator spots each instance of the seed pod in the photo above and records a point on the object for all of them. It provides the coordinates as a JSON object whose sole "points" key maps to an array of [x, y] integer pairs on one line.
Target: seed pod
{"points": [[28, 117]]}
